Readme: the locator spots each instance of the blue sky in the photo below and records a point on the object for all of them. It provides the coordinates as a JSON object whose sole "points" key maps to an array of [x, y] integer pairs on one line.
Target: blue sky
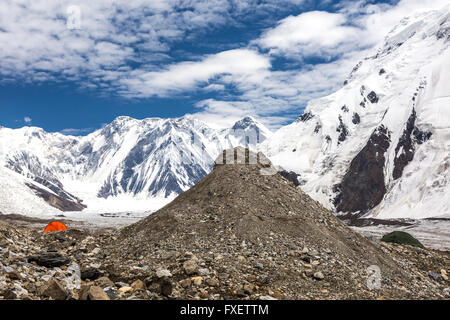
{"points": [[72, 67]]}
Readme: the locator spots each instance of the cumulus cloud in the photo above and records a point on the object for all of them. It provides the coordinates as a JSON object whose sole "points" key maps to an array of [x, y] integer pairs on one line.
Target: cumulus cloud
{"points": [[27, 119], [231, 65], [38, 45], [309, 33]]}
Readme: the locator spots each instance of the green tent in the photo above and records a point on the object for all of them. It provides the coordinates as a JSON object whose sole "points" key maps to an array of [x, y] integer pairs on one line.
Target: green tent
{"points": [[401, 237]]}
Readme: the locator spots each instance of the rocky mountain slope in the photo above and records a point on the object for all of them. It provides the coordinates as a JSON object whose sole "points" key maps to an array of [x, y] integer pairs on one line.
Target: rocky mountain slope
{"points": [[138, 159], [237, 234], [380, 146]]}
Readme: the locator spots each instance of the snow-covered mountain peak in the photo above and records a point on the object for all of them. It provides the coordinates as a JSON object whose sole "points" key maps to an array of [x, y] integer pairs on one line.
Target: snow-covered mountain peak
{"points": [[245, 123], [131, 158], [378, 131], [428, 23]]}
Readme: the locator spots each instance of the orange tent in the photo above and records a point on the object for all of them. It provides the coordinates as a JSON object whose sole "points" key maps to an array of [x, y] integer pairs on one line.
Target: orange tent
{"points": [[55, 226]]}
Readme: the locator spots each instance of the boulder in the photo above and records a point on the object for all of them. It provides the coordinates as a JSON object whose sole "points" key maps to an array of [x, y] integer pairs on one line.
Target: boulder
{"points": [[49, 259], [97, 293], [163, 273], [166, 288], [92, 293], [138, 285], [197, 280], [54, 289], [104, 282], [125, 289], [91, 274], [318, 275], [190, 267]]}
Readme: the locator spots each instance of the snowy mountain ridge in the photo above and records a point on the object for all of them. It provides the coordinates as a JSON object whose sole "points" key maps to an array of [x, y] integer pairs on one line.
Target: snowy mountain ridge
{"points": [[380, 145], [139, 159]]}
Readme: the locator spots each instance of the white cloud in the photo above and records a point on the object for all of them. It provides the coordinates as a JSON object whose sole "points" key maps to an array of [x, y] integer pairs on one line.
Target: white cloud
{"points": [[223, 114], [214, 87], [310, 33], [231, 65], [74, 131], [37, 45], [27, 119]]}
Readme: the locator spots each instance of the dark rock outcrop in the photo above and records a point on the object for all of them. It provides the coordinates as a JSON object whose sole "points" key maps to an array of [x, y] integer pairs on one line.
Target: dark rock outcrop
{"points": [[291, 176], [405, 143], [443, 33], [90, 274], [31, 167], [306, 116], [49, 259], [317, 128], [355, 68], [362, 187], [343, 131], [421, 136], [57, 201], [405, 149], [373, 97], [356, 119]]}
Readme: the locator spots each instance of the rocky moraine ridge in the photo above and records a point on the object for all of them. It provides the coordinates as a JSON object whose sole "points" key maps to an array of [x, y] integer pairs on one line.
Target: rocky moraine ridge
{"points": [[237, 234]]}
